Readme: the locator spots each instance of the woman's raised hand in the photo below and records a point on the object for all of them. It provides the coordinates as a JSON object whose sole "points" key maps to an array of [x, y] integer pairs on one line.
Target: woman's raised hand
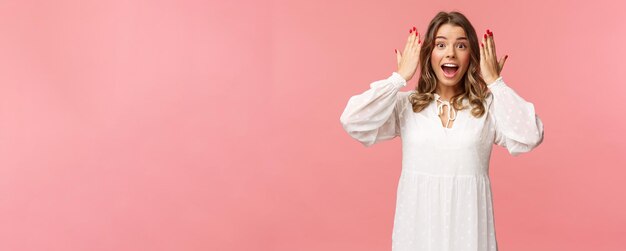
{"points": [[490, 66], [408, 59]]}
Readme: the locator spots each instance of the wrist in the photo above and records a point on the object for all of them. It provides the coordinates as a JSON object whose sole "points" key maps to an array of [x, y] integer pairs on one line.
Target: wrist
{"points": [[495, 84], [398, 78], [404, 76], [491, 80]]}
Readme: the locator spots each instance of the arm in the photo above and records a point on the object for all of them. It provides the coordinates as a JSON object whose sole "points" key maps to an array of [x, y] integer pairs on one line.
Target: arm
{"points": [[374, 115], [517, 127]]}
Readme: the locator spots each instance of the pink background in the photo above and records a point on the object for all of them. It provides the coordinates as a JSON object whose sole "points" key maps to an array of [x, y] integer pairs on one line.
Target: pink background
{"points": [[191, 125]]}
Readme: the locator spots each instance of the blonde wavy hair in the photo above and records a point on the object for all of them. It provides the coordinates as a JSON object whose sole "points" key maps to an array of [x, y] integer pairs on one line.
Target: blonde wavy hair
{"points": [[473, 85]]}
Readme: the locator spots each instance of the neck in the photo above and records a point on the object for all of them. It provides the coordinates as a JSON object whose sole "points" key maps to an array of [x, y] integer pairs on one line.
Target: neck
{"points": [[447, 92]]}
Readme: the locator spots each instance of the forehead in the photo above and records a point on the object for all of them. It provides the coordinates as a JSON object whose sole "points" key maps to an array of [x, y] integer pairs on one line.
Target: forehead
{"points": [[450, 31]]}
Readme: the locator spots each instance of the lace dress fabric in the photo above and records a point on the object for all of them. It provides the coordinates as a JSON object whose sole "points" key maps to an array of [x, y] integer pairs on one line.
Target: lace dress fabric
{"points": [[444, 199]]}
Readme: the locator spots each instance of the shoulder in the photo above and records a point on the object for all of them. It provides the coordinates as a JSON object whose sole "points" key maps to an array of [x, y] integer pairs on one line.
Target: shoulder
{"points": [[405, 94], [404, 99]]}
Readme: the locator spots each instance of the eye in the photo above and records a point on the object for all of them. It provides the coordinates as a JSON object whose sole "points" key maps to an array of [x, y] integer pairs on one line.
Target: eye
{"points": [[438, 45], [463, 46]]}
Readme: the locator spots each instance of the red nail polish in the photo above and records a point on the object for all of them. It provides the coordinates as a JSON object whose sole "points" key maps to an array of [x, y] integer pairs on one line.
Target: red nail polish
{"points": [[507, 56], [395, 51], [410, 30], [488, 31], [491, 33], [485, 35], [481, 44]]}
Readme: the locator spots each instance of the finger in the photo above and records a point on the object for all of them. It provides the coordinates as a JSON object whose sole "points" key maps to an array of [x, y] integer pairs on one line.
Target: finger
{"points": [[398, 58], [416, 39], [482, 51], [419, 38], [501, 63], [418, 48], [493, 42], [484, 46], [408, 41], [490, 51], [412, 37]]}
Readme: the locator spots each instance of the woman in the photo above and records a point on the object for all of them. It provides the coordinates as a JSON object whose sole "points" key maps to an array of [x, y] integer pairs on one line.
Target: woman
{"points": [[448, 125]]}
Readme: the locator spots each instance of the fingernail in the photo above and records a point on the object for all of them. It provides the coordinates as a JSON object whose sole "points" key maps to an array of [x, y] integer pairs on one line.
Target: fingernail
{"points": [[491, 33], [481, 44], [507, 56], [485, 35], [414, 28], [395, 50], [488, 31], [410, 30]]}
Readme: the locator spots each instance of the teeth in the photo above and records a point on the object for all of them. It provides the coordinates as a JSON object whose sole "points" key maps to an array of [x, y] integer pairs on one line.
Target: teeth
{"points": [[450, 65]]}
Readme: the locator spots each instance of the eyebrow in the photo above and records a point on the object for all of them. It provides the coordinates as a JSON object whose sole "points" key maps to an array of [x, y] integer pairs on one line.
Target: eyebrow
{"points": [[461, 38]]}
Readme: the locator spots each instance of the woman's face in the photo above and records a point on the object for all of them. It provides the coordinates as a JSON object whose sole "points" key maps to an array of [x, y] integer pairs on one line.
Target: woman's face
{"points": [[451, 46]]}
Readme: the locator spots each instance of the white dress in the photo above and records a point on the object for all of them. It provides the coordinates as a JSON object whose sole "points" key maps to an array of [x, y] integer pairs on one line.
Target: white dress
{"points": [[444, 200]]}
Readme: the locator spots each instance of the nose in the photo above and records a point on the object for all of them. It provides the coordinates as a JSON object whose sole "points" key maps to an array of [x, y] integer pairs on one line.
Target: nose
{"points": [[450, 53]]}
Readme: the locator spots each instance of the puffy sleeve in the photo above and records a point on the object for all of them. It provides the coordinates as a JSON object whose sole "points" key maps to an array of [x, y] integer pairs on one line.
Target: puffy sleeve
{"points": [[375, 114], [517, 127]]}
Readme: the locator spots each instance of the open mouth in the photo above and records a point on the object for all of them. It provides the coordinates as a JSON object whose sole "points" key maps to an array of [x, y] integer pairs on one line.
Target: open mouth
{"points": [[449, 70]]}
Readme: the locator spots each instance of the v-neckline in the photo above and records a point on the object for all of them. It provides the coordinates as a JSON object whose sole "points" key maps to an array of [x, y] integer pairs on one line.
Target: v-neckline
{"points": [[445, 130]]}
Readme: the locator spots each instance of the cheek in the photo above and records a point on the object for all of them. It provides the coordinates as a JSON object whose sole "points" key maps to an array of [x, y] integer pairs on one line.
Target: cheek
{"points": [[435, 55], [466, 60], [434, 60]]}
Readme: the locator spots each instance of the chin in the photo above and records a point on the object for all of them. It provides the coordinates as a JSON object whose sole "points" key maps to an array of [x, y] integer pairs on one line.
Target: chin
{"points": [[448, 82]]}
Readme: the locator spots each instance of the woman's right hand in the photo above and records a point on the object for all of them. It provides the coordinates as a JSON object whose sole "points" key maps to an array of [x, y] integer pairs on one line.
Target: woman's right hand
{"points": [[408, 59]]}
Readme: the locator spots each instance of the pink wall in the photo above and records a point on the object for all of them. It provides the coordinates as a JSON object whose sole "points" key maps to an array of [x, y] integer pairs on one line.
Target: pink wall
{"points": [[190, 125]]}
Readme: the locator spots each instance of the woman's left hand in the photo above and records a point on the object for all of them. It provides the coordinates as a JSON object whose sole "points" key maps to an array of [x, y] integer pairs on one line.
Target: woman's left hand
{"points": [[490, 67]]}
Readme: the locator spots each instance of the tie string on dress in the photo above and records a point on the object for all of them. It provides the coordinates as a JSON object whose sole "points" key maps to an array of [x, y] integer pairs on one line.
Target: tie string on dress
{"points": [[450, 109]]}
